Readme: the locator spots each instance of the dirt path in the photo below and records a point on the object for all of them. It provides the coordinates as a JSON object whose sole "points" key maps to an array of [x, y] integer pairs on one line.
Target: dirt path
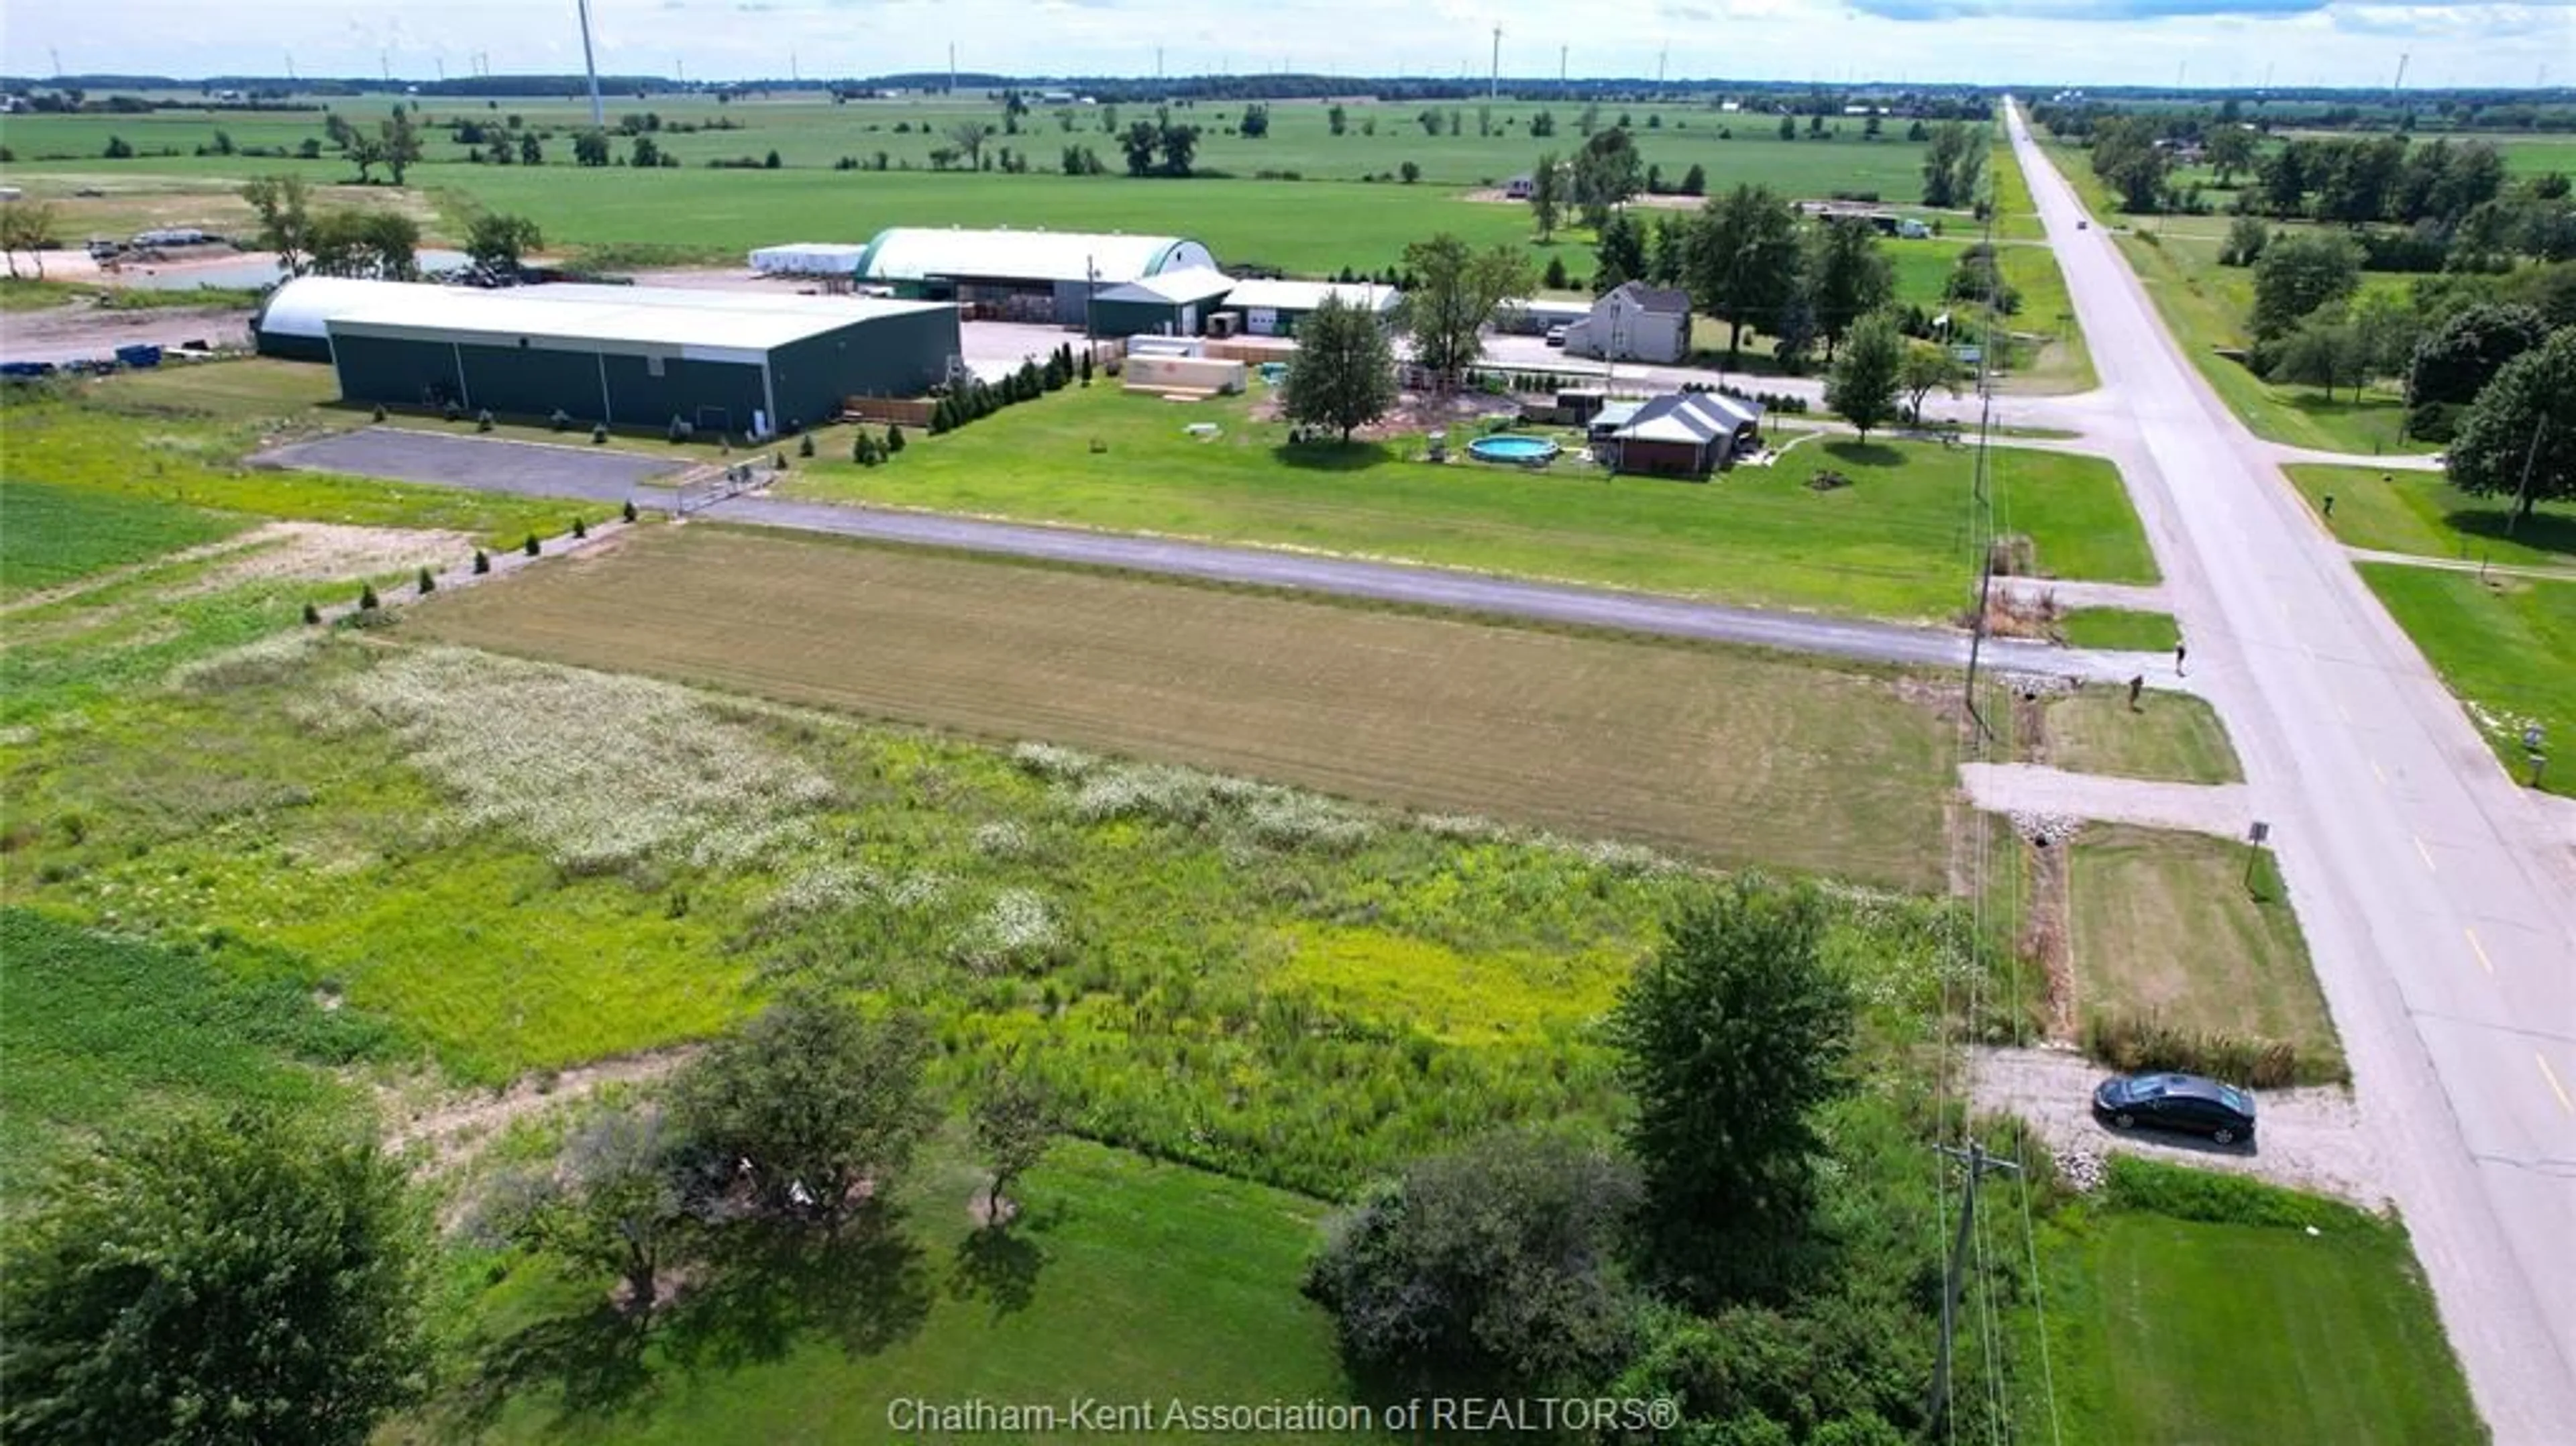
{"points": [[454, 1128], [69, 333], [2307, 1139]]}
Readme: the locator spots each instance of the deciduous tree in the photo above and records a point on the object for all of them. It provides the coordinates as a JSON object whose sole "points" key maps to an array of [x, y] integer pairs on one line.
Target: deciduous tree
{"points": [[1925, 368], [1728, 1039], [1865, 378], [1342, 374], [245, 1280], [400, 143], [26, 226], [2465, 352], [610, 1202], [1547, 193], [2298, 274], [814, 1097], [1745, 265], [1455, 291], [1500, 1262], [969, 136], [1848, 277], [2519, 439], [501, 241], [1015, 1124]]}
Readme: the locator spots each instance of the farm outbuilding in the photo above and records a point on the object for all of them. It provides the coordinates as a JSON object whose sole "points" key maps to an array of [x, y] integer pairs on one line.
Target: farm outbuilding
{"points": [[294, 321], [1175, 303], [1030, 276], [1681, 434], [1273, 308], [809, 258], [628, 356]]}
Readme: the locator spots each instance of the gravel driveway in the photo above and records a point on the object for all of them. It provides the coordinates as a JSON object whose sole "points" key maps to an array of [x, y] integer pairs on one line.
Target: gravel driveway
{"points": [[2308, 1139]]}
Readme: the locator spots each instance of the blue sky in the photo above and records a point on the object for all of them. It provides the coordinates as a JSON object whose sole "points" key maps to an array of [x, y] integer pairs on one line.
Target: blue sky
{"points": [[2008, 41]]}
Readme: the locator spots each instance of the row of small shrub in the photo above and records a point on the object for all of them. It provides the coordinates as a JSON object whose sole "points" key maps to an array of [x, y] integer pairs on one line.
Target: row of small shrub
{"points": [[980, 399], [2129, 1043], [1786, 403]]}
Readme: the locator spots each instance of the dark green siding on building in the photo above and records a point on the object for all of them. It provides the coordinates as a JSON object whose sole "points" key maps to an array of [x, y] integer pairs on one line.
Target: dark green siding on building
{"points": [[1136, 318], [804, 381]]}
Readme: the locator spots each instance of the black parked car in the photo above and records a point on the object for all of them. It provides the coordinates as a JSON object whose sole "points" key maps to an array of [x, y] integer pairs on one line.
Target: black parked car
{"points": [[2185, 1103]]}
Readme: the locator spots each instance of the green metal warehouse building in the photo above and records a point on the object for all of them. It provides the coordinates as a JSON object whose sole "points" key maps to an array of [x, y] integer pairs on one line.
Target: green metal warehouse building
{"points": [[1174, 303], [634, 356], [1028, 276]]}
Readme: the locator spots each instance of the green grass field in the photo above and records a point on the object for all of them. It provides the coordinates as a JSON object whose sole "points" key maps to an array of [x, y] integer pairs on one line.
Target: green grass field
{"points": [[1330, 219], [101, 1033], [2502, 646], [2120, 629], [2421, 513], [2244, 1331], [1124, 1280], [53, 535], [2169, 736], [2133, 892], [193, 462], [1891, 544]]}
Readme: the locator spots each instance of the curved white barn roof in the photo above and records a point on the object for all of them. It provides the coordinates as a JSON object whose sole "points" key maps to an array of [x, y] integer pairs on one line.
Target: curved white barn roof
{"points": [[915, 253], [300, 307]]}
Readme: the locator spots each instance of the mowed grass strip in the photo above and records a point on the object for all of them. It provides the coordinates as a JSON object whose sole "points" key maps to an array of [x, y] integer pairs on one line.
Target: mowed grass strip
{"points": [[2120, 630], [2503, 647], [2250, 1335], [53, 535], [2423, 514], [1893, 543], [2169, 736], [1732, 757], [2164, 928]]}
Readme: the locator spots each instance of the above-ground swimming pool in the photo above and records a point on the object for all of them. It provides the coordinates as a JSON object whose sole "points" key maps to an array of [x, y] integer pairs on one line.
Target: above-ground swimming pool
{"points": [[1509, 447]]}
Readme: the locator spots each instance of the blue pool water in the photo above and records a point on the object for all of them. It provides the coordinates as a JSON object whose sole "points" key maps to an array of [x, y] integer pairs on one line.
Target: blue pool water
{"points": [[1509, 448]]}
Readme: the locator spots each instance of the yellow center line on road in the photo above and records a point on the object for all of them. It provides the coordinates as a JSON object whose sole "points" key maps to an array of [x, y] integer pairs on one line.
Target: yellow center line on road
{"points": [[2555, 1087], [2425, 852], [2480, 949]]}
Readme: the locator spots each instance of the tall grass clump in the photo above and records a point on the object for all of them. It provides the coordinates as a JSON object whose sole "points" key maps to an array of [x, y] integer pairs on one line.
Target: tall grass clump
{"points": [[2131, 1043], [599, 770]]}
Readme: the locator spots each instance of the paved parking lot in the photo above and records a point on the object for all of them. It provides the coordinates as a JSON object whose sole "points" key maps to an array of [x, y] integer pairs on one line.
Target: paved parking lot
{"points": [[995, 349], [484, 463]]}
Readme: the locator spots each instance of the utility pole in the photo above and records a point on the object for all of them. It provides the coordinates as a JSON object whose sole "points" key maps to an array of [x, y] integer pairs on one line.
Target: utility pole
{"points": [[1979, 1164], [2522, 494], [590, 68]]}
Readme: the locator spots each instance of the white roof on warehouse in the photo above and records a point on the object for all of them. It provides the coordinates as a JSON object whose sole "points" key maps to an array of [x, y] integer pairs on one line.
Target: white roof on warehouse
{"points": [[1195, 283], [809, 258], [918, 253], [700, 325], [1307, 295]]}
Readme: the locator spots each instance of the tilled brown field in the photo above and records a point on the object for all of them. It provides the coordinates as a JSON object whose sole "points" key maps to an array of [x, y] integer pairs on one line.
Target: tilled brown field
{"points": [[1731, 757]]}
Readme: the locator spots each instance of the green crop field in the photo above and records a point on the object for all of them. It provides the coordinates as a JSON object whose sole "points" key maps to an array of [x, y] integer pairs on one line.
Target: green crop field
{"points": [[1329, 219], [101, 1032], [54, 535], [2501, 645], [1741, 759], [1890, 544], [2421, 513]]}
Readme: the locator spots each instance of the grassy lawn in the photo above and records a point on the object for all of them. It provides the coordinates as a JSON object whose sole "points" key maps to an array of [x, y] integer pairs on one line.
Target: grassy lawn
{"points": [[2502, 646], [1892, 544], [53, 535], [2421, 513], [2016, 214], [1715, 754], [1124, 1280], [193, 462], [2171, 736], [102, 1032], [2247, 1332], [236, 387], [2135, 894], [2120, 630], [2206, 305]]}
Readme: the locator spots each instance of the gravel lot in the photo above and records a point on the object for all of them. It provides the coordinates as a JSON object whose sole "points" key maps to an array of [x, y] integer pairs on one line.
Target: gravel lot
{"points": [[2308, 1139], [483, 463]]}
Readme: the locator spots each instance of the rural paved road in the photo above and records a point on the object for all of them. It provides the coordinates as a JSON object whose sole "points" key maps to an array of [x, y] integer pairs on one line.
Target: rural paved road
{"points": [[2438, 899], [1433, 587]]}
